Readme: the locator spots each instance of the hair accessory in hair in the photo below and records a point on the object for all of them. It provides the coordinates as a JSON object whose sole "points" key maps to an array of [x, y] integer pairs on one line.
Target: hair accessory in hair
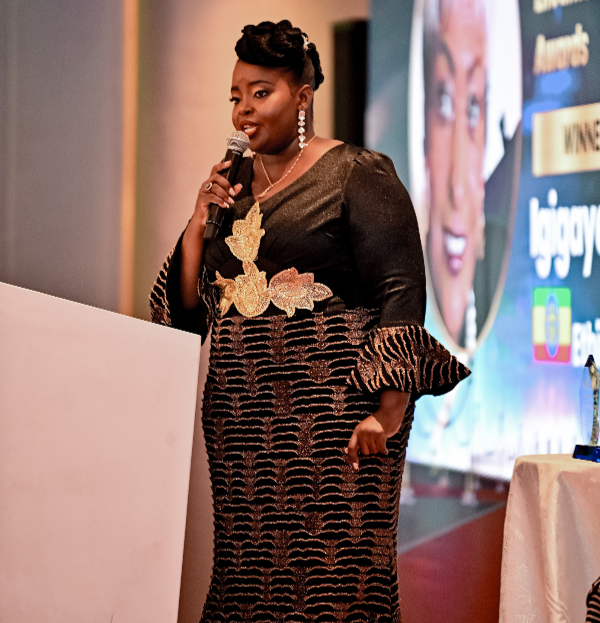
{"points": [[281, 45]]}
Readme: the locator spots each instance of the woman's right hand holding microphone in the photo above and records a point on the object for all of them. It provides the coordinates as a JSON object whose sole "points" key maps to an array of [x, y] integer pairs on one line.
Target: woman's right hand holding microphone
{"points": [[215, 190]]}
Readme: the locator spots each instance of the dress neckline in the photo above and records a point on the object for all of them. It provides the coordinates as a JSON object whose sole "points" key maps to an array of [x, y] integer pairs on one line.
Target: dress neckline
{"points": [[291, 185]]}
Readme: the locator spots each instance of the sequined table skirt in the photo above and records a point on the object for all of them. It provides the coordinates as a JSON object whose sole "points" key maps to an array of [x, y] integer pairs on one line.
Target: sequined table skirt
{"points": [[299, 535]]}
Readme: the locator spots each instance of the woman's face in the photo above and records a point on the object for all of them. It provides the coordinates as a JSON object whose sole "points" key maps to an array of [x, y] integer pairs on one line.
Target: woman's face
{"points": [[455, 148], [265, 106]]}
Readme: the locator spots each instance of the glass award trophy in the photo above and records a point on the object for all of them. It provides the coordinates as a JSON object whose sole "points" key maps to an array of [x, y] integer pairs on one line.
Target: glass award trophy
{"points": [[590, 425]]}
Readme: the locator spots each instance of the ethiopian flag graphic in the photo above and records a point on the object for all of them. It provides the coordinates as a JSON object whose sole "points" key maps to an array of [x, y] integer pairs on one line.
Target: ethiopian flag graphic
{"points": [[551, 324]]}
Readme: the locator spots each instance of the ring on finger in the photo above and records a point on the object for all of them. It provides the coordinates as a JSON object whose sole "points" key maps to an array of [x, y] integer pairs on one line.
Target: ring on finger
{"points": [[208, 185]]}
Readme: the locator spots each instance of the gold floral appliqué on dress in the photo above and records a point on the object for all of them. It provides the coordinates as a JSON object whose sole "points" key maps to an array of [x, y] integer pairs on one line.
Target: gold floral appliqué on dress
{"points": [[287, 290]]}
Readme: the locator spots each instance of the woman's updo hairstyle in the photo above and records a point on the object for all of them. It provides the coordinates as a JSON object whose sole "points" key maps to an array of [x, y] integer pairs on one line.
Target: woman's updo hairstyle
{"points": [[281, 45]]}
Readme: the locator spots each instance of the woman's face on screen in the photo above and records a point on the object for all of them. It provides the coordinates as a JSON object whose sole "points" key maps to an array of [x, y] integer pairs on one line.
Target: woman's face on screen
{"points": [[265, 106], [454, 153]]}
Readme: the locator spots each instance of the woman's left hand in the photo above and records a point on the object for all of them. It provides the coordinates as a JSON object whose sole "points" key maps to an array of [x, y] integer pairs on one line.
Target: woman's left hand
{"points": [[371, 434]]}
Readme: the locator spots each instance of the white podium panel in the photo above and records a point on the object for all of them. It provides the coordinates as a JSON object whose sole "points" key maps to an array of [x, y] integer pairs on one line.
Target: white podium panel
{"points": [[96, 427]]}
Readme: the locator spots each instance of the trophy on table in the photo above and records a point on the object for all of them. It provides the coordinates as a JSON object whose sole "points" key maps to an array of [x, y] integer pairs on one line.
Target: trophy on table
{"points": [[590, 423]]}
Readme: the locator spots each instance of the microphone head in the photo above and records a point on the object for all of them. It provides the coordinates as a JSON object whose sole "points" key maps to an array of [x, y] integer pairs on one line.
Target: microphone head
{"points": [[238, 142]]}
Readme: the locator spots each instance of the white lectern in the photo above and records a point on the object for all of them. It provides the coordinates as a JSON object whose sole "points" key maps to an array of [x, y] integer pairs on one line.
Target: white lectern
{"points": [[96, 426]]}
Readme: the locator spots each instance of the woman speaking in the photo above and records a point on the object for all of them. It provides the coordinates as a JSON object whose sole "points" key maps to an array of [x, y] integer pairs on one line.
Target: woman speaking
{"points": [[314, 289]]}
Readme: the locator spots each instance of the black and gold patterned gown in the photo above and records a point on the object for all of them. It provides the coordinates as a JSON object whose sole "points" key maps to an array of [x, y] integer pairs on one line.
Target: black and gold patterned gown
{"points": [[319, 307]]}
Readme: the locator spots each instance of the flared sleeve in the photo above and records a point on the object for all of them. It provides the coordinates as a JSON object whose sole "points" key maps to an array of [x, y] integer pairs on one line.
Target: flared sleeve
{"points": [[399, 354], [165, 298], [160, 312]]}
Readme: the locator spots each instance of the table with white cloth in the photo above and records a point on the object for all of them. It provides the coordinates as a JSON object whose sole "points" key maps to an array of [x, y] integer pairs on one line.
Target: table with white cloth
{"points": [[551, 552]]}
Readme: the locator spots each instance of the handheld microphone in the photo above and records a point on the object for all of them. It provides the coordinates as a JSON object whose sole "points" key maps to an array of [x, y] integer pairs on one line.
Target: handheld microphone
{"points": [[237, 143]]}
